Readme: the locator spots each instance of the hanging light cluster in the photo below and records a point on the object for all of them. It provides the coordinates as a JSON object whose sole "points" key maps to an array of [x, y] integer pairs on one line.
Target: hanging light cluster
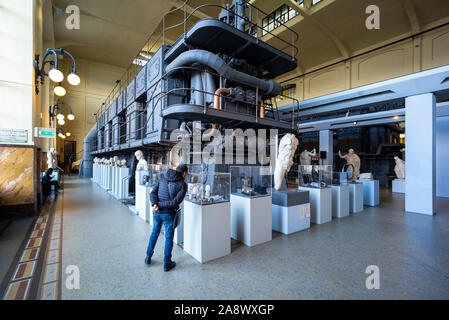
{"points": [[55, 74]]}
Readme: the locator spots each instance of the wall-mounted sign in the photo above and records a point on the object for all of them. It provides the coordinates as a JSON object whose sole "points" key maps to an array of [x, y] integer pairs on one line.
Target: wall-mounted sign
{"points": [[44, 132], [13, 136]]}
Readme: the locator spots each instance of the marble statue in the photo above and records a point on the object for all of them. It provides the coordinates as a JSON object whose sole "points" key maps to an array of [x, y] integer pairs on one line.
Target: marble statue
{"points": [[96, 160], [142, 164], [195, 192], [51, 158], [306, 157], [352, 158], [123, 163], [207, 191], [111, 161], [116, 161], [284, 160], [399, 168]]}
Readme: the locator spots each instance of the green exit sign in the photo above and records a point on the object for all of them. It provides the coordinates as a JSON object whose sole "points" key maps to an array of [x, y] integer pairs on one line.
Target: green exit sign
{"points": [[44, 132]]}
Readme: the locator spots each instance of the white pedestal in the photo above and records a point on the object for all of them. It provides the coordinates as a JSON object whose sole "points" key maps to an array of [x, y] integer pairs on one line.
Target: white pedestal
{"points": [[104, 176], [251, 219], [340, 201], [292, 219], [398, 185], [142, 199], [370, 192], [355, 197], [122, 186], [95, 173], [100, 180], [113, 182], [207, 230], [179, 231], [108, 185], [320, 204]]}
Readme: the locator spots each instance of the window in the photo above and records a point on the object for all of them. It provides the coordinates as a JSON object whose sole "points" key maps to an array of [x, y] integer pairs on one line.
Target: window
{"points": [[278, 17], [314, 2]]}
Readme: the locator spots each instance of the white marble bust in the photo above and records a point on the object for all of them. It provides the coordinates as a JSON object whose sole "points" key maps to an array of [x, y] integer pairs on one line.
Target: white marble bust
{"points": [[123, 163], [142, 164], [284, 160], [306, 157], [116, 161], [399, 168], [352, 158]]}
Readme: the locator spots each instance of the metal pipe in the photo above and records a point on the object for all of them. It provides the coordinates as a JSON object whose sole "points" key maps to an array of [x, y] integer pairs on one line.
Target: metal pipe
{"points": [[269, 87], [85, 169], [216, 106]]}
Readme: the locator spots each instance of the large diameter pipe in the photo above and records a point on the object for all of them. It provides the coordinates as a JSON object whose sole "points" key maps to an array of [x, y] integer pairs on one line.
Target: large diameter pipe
{"points": [[86, 164], [268, 87]]}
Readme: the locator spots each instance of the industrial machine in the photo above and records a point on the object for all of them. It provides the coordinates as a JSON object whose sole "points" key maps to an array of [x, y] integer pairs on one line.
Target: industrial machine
{"points": [[219, 72]]}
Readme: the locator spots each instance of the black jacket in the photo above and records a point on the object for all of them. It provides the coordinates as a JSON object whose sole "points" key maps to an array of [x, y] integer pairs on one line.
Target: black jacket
{"points": [[169, 192]]}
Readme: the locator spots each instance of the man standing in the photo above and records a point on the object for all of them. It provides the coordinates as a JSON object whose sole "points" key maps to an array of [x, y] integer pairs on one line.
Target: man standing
{"points": [[165, 198]]}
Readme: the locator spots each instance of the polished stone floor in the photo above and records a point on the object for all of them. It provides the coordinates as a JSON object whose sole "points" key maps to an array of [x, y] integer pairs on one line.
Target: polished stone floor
{"points": [[107, 242]]}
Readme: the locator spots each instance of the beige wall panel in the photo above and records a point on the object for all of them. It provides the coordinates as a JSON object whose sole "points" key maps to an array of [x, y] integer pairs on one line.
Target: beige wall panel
{"points": [[101, 77], [78, 108], [325, 82], [435, 49], [92, 105], [386, 64]]}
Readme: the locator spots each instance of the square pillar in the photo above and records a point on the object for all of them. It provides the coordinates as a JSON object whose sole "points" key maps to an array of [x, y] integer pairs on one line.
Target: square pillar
{"points": [[420, 162], [327, 144]]}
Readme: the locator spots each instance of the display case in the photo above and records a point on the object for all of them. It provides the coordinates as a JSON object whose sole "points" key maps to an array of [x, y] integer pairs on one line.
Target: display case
{"points": [[251, 181], [340, 178], [151, 177], [206, 185], [315, 176]]}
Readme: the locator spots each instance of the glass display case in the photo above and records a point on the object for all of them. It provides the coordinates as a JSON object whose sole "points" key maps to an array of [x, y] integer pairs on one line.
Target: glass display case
{"points": [[206, 185], [315, 176], [151, 177], [340, 178], [251, 181]]}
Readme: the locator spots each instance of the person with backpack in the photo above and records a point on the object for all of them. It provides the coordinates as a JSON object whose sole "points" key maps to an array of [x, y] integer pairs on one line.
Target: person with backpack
{"points": [[165, 199]]}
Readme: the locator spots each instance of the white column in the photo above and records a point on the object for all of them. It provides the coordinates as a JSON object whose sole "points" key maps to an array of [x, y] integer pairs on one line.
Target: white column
{"points": [[327, 144], [420, 165]]}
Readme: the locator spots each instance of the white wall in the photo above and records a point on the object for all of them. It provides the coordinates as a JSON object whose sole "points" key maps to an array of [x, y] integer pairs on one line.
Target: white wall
{"points": [[442, 155]]}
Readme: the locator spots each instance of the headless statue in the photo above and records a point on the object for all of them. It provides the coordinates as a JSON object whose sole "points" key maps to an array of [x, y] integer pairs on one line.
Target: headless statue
{"points": [[51, 158], [142, 164], [399, 169], [354, 160], [306, 157], [284, 160]]}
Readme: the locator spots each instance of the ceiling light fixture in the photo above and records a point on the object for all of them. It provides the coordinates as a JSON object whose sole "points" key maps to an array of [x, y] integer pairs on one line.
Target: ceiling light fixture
{"points": [[59, 91], [55, 74]]}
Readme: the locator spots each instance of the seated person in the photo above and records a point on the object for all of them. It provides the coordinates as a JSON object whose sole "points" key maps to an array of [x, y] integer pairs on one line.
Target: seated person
{"points": [[47, 182]]}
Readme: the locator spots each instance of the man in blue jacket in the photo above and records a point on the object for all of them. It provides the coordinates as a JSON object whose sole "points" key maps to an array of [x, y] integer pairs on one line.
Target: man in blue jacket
{"points": [[165, 198]]}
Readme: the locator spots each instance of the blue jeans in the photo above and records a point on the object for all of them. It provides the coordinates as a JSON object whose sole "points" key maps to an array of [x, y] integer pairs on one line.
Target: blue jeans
{"points": [[158, 220]]}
